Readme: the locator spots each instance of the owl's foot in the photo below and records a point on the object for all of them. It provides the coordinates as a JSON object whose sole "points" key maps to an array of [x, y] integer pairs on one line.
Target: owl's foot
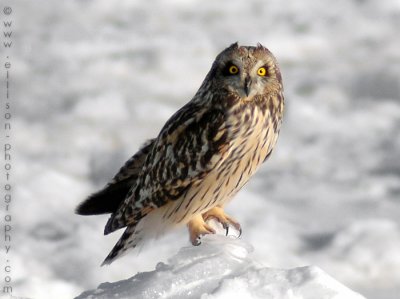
{"points": [[197, 228], [225, 220]]}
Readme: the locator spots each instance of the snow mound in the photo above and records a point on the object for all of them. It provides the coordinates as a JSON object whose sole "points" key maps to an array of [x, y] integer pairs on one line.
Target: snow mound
{"points": [[223, 267]]}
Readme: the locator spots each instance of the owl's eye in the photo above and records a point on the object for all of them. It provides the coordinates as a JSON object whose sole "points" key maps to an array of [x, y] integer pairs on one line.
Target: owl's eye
{"points": [[262, 71], [232, 70]]}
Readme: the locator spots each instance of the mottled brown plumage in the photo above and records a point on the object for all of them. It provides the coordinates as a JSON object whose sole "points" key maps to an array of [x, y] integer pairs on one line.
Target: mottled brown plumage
{"points": [[204, 154]]}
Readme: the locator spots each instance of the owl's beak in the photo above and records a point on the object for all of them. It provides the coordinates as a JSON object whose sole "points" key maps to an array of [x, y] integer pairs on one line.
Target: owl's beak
{"points": [[247, 85]]}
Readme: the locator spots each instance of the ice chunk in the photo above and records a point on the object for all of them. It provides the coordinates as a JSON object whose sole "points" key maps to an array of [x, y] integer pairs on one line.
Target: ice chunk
{"points": [[223, 267]]}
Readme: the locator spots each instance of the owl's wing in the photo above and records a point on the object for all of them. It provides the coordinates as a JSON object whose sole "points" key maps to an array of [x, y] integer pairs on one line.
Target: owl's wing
{"points": [[108, 199], [132, 168], [192, 143], [189, 147]]}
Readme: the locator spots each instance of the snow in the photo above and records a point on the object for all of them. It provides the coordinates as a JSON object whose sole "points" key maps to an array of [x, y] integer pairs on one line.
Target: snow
{"points": [[223, 267], [93, 79]]}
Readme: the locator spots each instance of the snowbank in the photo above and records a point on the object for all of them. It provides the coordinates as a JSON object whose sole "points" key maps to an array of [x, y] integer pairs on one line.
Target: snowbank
{"points": [[223, 268]]}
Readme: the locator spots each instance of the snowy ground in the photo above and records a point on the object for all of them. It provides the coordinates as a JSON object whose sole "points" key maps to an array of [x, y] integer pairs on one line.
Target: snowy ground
{"points": [[222, 268], [93, 79]]}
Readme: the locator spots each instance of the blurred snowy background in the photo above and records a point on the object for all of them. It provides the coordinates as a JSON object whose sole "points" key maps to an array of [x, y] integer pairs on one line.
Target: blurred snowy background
{"points": [[93, 79]]}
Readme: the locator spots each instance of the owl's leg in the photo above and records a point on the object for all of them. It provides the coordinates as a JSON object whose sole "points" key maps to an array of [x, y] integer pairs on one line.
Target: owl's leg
{"points": [[226, 220], [197, 228]]}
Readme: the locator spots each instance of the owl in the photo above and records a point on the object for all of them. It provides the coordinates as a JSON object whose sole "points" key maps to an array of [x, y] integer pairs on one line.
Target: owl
{"points": [[205, 153]]}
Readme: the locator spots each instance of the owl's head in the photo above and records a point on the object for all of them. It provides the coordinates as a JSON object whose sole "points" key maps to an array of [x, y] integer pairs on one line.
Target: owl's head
{"points": [[246, 72]]}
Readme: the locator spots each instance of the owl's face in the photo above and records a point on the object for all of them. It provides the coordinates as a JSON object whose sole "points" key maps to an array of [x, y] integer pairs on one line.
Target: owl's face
{"points": [[247, 72]]}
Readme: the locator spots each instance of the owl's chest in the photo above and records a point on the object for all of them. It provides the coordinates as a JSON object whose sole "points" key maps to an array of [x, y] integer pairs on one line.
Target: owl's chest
{"points": [[253, 138], [252, 135]]}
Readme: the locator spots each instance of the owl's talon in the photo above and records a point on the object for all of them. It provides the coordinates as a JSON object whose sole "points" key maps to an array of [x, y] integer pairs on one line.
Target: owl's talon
{"points": [[225, 225], [197, 228], [225, 220]]}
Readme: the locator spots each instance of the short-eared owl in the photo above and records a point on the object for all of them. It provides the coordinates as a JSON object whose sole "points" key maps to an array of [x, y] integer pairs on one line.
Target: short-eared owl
{"points": [[204, 154]]}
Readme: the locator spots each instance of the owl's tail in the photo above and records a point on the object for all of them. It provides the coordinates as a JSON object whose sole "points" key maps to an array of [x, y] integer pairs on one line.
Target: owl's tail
{"points": [[130, 239], [105, 201]]}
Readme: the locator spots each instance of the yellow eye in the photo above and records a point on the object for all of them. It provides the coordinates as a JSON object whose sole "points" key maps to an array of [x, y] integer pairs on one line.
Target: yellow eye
{"points": [[262, 71], [233, 70]]}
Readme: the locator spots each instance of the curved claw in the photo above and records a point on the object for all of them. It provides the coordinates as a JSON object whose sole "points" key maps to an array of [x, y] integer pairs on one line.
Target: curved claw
{"points": [[240, 233], [226, 230]]}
